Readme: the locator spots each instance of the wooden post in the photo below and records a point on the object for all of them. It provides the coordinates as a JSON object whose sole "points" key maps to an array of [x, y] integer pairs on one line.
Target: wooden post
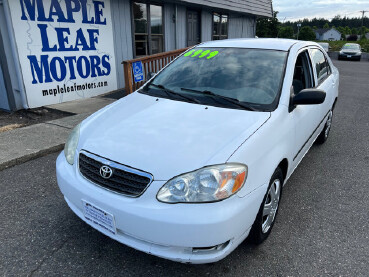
{"points": [[127, 66]]}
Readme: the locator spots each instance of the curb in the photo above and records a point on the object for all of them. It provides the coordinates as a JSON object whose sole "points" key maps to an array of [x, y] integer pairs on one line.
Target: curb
{"points": [[32, 156]]}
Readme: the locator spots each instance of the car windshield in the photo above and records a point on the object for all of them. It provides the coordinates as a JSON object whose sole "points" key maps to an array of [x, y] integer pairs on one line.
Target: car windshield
{"points": [[216, 76], [351, 47]]}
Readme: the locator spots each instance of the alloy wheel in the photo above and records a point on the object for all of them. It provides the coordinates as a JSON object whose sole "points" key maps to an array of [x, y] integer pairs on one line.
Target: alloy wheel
{"points": [[271, 205]]}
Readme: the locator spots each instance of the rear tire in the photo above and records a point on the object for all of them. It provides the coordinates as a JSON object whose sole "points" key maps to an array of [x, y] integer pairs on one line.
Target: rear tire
{"points": [[267, 214], [323, 136]]}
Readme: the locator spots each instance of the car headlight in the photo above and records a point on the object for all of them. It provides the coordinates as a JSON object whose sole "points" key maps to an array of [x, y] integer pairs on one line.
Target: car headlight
{"points": [[208, 184], [71, 144]]}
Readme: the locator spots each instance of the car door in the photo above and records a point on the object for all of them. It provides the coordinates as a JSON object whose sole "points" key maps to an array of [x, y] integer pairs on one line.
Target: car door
{"points": [[325, 79], [306, 118]]}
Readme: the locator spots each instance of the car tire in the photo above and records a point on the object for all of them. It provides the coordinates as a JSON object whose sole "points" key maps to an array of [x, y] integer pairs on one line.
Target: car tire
{"points": [[323, 136], [267, 214]]}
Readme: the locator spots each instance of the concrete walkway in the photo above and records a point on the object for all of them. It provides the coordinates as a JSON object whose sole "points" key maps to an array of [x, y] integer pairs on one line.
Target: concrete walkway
{"points": [[23, 144]]}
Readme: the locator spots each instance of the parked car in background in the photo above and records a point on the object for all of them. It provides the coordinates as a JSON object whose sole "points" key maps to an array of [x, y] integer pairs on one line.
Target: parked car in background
{"points": [[325, 46], [350, 51], [193, 162]]}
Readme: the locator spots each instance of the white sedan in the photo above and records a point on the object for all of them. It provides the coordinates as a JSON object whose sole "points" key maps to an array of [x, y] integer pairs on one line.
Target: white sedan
{"points": [[194, 162]]}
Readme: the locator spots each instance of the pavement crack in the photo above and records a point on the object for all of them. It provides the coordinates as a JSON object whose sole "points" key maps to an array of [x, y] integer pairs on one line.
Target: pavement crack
{"points": [[58, 125], [46, 257]]}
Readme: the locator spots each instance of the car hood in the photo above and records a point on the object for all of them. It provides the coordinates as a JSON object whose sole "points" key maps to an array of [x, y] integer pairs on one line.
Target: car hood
{"points": [[350, 51], [167, 137]]}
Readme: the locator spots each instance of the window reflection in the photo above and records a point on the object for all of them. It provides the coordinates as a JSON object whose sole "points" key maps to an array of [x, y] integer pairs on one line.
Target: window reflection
{"points": [[148, 29], [220, 26]]}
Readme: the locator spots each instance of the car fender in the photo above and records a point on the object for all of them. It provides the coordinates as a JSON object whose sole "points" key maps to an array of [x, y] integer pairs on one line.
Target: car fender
{"points": [[265, 149]]}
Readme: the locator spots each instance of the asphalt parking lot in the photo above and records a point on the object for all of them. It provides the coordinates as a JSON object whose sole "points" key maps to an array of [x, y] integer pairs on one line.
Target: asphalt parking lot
{"points": [[321, 229]]}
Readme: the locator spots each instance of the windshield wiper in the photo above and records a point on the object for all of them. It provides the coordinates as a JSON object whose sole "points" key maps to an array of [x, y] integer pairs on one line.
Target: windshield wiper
{"points": [[171, 92], [229, 99]]}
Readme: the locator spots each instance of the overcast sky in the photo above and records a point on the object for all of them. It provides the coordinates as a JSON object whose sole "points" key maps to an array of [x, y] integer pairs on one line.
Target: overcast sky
{"points": [[299, 9]]}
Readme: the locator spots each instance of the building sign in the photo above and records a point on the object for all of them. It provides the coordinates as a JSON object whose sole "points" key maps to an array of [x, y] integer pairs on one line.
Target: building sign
{"points": [[138, 71], [65, 49]]}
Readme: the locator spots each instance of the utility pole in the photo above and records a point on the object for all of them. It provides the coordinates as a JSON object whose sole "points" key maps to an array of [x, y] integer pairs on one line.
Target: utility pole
{"points": [[362, 22], [298, 30]]}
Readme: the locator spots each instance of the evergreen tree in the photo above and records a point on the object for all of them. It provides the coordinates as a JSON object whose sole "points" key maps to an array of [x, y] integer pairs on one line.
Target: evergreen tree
{"points": [[307, 33], [268, 27], [347, 30], [285, 32]]}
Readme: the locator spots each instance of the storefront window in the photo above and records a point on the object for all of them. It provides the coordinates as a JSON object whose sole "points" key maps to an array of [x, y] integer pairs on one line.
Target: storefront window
{"points": [[148, 28], [156, 22], [220, 26]]}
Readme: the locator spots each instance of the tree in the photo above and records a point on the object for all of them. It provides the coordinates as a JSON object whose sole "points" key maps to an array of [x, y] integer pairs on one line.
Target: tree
{"points": [[354, 31], [342, 31], [363, 30], [285, 32], [306, 33], [326, 26], [348, 30], [268, 27]]}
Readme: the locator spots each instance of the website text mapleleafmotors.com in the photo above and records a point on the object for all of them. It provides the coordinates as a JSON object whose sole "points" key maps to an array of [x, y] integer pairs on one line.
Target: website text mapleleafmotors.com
{"points": [[66, 89]]}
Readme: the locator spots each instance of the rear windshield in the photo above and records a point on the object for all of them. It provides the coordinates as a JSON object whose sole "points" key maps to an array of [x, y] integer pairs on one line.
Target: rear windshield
{"points": [[252, 76]]}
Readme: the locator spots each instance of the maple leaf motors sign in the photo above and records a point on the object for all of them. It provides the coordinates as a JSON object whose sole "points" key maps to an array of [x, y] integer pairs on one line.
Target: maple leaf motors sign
{"points": [[65, 49]]}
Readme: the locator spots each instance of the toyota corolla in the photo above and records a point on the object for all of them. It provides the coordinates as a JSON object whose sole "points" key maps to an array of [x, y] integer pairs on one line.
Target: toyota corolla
{"points": [[350, 51], [194, 161]]}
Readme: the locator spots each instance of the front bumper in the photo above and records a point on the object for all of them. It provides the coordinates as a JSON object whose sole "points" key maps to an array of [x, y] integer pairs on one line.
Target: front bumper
{"points": [[189, 233], [349, 56]]}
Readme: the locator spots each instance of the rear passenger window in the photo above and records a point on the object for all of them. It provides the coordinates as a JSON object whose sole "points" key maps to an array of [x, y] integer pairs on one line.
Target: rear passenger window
{"points": [[321, 65]]}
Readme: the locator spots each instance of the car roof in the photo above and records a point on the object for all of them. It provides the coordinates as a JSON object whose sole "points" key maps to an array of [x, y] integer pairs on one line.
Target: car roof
{"points": [[258, 43]]}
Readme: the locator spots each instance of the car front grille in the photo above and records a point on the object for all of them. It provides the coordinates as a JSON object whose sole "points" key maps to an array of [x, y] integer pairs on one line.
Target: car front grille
{"points": [[125, 180]]}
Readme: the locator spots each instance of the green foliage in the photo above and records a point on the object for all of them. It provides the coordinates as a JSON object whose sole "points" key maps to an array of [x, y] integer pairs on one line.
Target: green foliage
{"points": [[306, 33], [338, 21], [337, 45], [285, 32], [268, 27], [271, 27], [342, 31], [348, 30], [364, 30]]}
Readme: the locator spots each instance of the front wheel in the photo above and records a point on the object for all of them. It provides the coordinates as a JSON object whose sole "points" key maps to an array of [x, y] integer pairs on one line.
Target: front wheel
{"points": [[268, 210], [323, 136]]}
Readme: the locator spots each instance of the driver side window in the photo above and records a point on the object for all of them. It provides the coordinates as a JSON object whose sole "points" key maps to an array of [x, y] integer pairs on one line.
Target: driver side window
{"points": [[302, 77]]}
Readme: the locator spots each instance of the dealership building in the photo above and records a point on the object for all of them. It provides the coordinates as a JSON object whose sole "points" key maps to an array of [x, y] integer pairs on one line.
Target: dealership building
{"points": [[52, 51]]}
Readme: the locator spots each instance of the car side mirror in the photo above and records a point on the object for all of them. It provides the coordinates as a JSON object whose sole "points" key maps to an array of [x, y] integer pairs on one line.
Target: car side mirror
{"points": [[150, 75], [308, 96]]}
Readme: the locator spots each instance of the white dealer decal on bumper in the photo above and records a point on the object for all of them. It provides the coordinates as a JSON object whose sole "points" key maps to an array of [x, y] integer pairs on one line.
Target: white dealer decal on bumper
{"points": [[99, 217]]}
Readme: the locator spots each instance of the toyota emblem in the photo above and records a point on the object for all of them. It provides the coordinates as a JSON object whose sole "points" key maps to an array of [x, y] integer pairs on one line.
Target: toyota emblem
{"points": [[106, 172]]}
